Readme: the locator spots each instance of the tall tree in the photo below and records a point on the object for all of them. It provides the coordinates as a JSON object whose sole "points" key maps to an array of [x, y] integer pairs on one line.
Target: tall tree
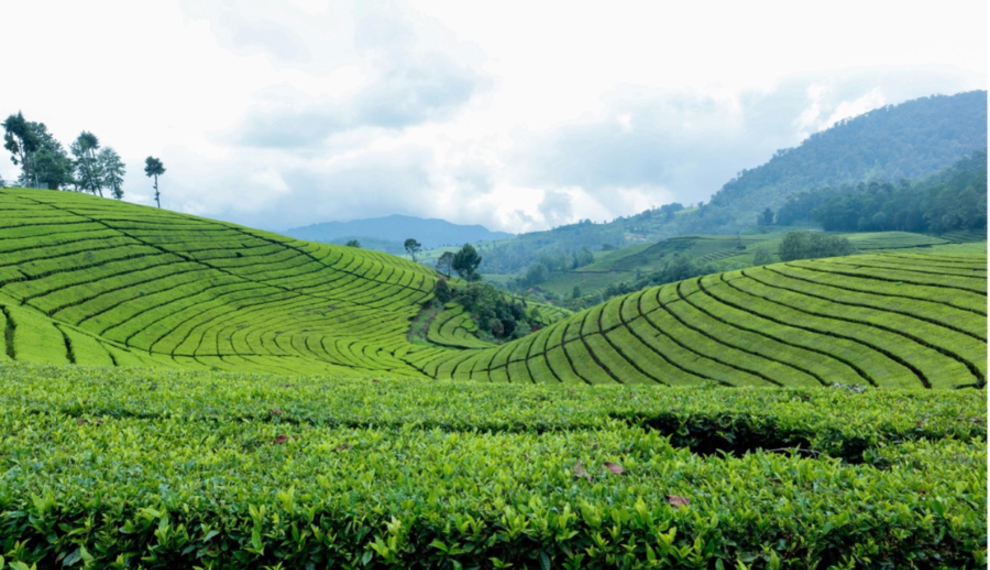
{"points": [[413, 247], [51, 165], [113, 171], [154, 168], [88, 175], [466, 262], [22, 141], [445, 262]]}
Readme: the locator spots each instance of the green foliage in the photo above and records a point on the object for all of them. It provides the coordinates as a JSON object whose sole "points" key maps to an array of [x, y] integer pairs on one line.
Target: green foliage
{"points": [[353, 243], [101, 282], [954, 199], [494, 311], [813, 245], [762, 256], [89, 177], [765, 218], [911, 140], [153, 168], [112, 170], [412, 247], [22, 141], [266, 470], [441, 291], [466, 261], [43, 161], [445, 262]]}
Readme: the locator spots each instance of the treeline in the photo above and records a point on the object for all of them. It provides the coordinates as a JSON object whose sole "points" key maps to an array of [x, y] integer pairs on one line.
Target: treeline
{"points": [[45, 163], [543, 269], [954, 199]]}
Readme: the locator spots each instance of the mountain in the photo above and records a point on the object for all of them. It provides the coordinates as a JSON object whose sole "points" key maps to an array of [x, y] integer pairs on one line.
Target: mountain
{"points": [[907, 141], [911, 140], [390, 232]]}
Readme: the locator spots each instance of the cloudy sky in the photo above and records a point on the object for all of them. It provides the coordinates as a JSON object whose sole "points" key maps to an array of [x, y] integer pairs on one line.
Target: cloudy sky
{"points": [[516, 115]]}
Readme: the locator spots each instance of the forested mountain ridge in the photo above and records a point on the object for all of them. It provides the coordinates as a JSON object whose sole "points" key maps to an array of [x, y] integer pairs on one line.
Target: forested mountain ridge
{"points": [[911, 140], [953, 199]]}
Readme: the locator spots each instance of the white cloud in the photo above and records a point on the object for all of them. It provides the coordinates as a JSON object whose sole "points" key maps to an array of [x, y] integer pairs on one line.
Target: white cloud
{"points": [[512, 114]]}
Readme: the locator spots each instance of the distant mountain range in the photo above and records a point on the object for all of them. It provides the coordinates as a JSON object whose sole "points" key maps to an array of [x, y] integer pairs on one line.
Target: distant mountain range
{"points": [[390, 232]]}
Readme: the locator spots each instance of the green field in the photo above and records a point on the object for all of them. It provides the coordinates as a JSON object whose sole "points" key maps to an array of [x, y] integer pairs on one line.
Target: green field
{"points": [[245, 400], [90, 281]]}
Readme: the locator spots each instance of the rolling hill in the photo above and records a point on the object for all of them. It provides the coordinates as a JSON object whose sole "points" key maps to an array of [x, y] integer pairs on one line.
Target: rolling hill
{"points": [[608, 438], [91, 281], [390, 232]]}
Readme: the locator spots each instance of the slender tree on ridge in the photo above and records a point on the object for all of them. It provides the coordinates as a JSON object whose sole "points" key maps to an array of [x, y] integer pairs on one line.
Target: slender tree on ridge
{"points": [[88, 175], [412, 247], [154, 168]]}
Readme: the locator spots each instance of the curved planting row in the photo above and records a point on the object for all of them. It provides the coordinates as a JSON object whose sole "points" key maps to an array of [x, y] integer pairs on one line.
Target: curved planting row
{"points": [[98, 282], [894, 320]]}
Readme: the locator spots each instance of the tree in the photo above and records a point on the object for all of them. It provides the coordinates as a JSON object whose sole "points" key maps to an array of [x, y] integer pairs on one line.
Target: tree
{"points": [[51, 165], [766, 218], [113, 170], [441, 291], [154, 168], [353, 243], [762, 256], [445, 262], [88, 175], [22, 141], [808, 245], [412, 247], [466, 262]]}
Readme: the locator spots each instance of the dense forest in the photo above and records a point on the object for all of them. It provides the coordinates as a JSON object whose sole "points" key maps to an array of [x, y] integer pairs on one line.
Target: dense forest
{"points": [[953, 199]]}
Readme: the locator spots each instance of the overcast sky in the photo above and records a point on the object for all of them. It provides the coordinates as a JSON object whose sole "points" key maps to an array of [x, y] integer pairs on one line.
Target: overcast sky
{"points": [[516, 115]]}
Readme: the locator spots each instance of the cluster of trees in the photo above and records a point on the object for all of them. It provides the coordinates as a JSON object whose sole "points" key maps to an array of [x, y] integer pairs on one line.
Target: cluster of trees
{"points": [[465, 262], [45, 163], [498, 316], [543, 269], [954, 199], [813, 245]]}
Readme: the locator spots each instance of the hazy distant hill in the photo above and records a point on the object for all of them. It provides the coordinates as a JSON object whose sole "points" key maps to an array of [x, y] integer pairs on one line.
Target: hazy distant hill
{"points": [[390, 232]]}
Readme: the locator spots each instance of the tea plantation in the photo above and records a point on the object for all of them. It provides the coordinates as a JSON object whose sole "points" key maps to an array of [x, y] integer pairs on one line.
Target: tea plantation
{"points": [[254, 401]]}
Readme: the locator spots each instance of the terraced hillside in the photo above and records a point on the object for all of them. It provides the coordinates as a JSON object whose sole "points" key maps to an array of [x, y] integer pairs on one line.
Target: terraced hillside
{"points": [[91, 281], [905, 320]]}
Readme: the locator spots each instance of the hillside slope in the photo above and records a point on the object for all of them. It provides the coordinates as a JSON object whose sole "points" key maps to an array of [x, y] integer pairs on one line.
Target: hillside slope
{"points": [[91, 281], [903, 320]]}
